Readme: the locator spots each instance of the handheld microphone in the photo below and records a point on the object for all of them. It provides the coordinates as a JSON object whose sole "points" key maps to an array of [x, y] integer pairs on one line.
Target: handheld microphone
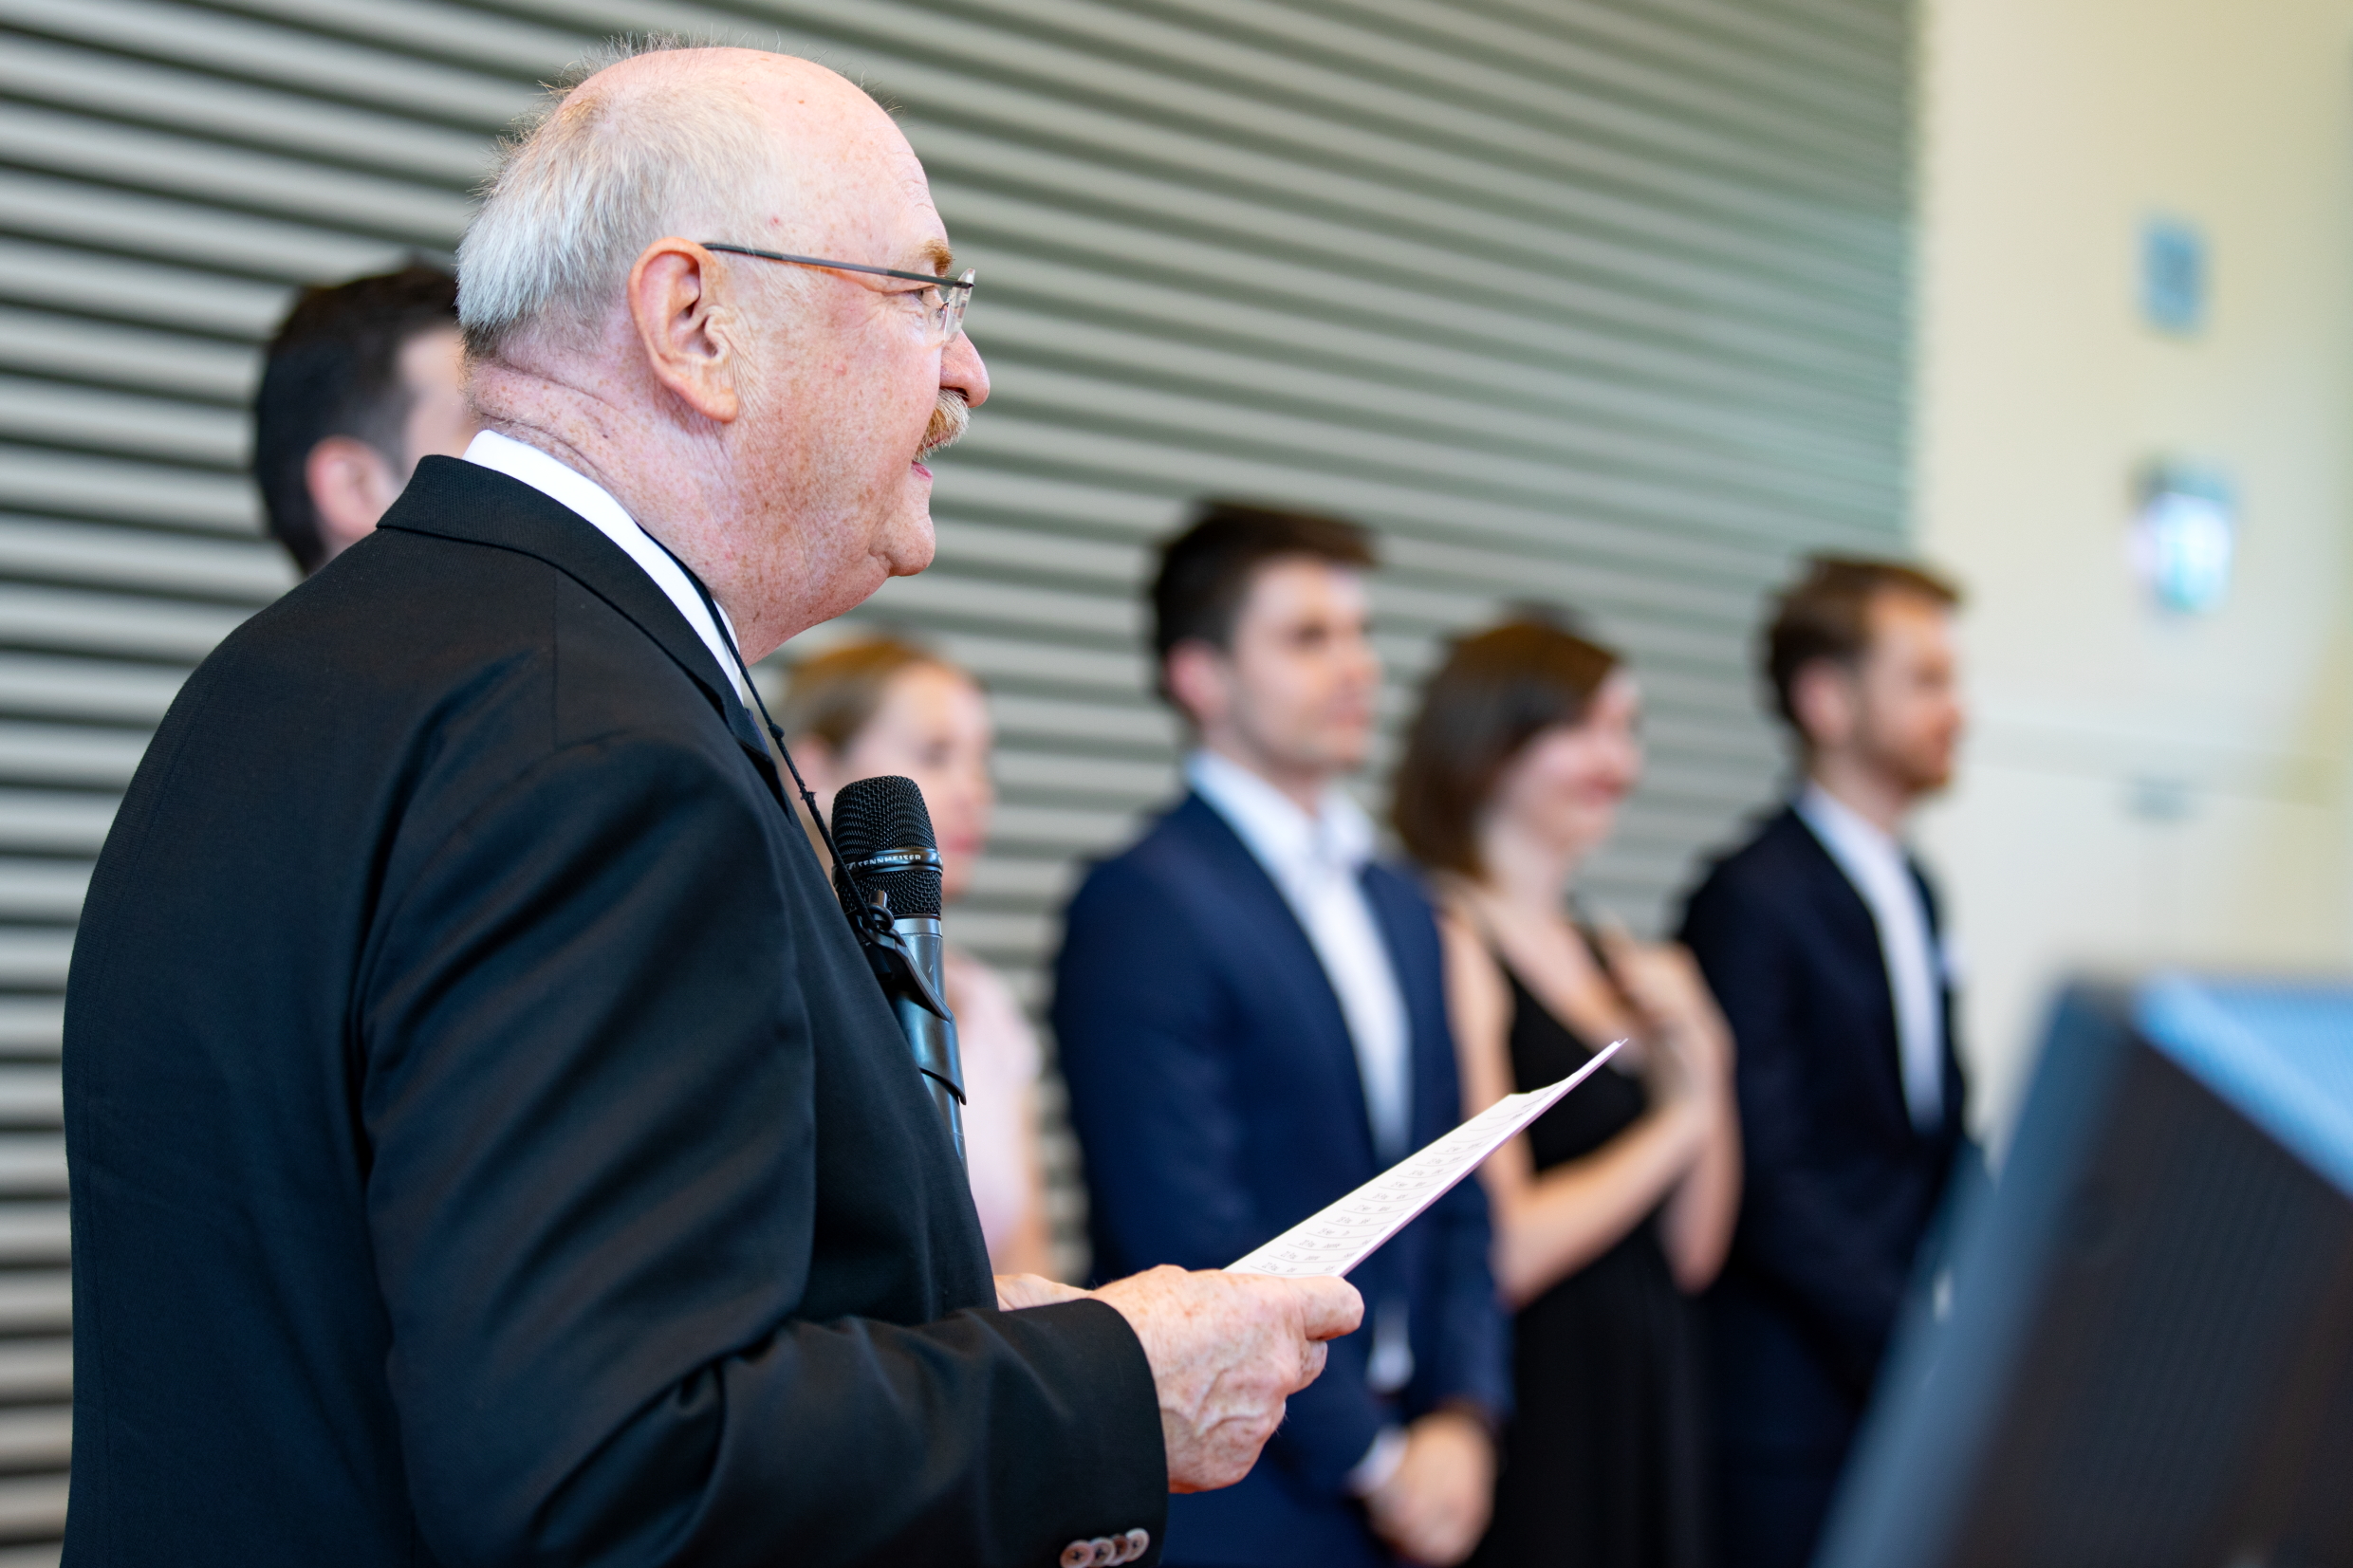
{"points": [[883, 837]]}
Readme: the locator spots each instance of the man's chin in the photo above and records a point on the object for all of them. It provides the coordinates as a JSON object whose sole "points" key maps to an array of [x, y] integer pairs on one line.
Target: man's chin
{"points": [[909, 546]]}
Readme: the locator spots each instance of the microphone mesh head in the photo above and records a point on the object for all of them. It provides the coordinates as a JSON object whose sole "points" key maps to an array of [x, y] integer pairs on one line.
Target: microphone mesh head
{"points": [[874, 815]]}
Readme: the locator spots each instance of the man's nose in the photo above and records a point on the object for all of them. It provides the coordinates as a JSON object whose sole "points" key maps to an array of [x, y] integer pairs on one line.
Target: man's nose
{"points": [[960, 370]]}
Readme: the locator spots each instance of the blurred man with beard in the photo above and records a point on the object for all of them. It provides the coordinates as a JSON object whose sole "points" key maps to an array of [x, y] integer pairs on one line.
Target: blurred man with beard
{"points": [[1820, 938]]}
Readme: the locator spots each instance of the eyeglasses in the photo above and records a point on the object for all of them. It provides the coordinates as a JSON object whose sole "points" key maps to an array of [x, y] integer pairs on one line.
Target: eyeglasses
{"points": [[947, 296]]}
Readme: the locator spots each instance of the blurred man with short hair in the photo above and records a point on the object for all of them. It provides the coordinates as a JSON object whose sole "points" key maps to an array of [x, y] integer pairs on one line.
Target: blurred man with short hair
{"points": [[1820, 940], [362, 380], [1253, 1023]]}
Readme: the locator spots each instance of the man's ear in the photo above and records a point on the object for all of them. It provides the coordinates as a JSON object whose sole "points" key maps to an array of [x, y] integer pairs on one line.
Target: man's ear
{"points": [[1824, 697], [685, 328], [351, 485], [1197, 679]]}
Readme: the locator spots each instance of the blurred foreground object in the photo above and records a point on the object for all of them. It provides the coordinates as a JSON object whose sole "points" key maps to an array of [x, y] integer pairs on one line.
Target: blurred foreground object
{"points": [[2148, 1357]]}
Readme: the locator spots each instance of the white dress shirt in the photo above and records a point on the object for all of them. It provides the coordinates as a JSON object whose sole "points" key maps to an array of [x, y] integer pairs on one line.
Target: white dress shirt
{"points": [[1317, 861], [569, 487], [1874, 863]]}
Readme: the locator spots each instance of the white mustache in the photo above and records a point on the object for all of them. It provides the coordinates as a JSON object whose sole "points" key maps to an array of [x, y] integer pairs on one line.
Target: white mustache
{"points": [[951, 417]]}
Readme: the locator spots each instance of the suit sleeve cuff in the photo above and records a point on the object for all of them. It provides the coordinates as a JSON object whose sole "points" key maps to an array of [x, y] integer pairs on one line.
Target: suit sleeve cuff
{"points": [[1110, 1475]]}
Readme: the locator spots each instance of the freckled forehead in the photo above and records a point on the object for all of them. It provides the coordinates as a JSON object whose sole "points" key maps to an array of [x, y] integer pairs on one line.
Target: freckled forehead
{"points": [[856, 174]]}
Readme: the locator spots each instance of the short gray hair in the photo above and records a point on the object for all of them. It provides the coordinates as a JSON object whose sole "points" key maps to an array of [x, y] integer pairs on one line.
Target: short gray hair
{"points": [[587, 184]]}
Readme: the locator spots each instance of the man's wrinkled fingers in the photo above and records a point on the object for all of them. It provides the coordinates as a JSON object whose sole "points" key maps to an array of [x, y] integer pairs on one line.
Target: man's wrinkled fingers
{"points": [[1312, 1356], [1330, 1307]]}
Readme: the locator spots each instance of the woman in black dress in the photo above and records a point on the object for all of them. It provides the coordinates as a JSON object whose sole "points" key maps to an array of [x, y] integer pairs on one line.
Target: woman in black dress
{"points": [[1619, 1204]]}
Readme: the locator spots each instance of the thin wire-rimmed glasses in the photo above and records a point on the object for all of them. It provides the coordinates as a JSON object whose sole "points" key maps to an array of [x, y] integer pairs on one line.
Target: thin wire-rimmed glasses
{"points": [[949, 296]]}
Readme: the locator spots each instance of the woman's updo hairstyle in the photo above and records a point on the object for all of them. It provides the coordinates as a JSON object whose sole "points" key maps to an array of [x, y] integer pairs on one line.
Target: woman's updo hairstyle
{"points": [[1496, 691]]}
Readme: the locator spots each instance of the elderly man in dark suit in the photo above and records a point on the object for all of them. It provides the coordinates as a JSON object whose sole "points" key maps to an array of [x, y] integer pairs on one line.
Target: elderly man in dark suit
{"points": [[488, 1142], [1820, 941], [1253, 1023]]}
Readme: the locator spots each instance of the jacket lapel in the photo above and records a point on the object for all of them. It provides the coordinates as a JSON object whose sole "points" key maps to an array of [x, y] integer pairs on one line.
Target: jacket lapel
{"points": [[1396, 913], [1281, 943], [454, 499], [1855, 937]]}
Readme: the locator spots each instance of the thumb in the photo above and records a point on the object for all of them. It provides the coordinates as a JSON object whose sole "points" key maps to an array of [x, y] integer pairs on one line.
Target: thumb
{"points": [[1329, 1307]]}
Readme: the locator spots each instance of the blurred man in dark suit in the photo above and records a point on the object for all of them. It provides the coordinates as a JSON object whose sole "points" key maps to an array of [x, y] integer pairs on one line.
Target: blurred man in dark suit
{"points": [[1820, 940], [361, 382], [1253, 1023], [489, 1141]]}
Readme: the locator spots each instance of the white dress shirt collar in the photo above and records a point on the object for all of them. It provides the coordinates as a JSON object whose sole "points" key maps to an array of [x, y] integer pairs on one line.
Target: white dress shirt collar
{"points": [[1874, 863], [577, 492], [1272, 825]]}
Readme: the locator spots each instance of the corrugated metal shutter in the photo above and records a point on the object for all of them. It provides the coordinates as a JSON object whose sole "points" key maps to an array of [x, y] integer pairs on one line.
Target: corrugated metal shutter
{"points": [[1597, 302]]}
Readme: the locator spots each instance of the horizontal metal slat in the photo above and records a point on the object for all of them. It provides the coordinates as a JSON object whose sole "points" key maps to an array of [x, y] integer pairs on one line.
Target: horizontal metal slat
{"points": [[1704, 418], [35, 1369], [1060, 828], [32, 1505], [1512, 427], [1130, 783], [127, 626], [1081, 405], [1030, 718], [35, 1439], [32, 958], [1845, 384], [31, 1164], [1744, 289], [298, 58], [482, 39], [922, 600], [41, 893], [66, 754], [62, 347], [35, 1300], [59, 413], [158, 494], [31, 1232], [83, 147], [77, 213], [85, 688], [1715, 45], [54, 820], [91, 284], [31, 1027], [108, 84], [248, 571], [1586, 93]]}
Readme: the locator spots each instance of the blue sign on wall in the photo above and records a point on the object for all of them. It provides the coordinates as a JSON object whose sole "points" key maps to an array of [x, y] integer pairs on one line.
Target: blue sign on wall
{"points": [[2172, 275]]}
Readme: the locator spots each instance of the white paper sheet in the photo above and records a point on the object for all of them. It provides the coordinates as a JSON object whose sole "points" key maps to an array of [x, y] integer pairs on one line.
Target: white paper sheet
{"points": [[1335, 1240]]}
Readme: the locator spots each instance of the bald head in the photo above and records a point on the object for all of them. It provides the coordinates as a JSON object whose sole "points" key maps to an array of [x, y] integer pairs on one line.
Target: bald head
{"points": [[759, 149], [768, 420]]}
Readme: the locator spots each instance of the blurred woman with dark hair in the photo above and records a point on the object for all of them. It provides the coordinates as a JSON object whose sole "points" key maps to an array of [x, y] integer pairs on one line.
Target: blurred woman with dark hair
{"points": [[880, 706], [1620, 1201]]}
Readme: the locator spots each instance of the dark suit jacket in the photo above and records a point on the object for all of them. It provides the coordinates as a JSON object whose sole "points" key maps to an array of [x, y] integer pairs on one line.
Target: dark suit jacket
{"points": [[1840, 1188], [1217, 1097], [488, 1143]]}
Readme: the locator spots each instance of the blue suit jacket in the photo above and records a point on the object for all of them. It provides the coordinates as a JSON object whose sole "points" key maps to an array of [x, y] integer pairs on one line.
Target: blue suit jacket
{"points": [[1840, 1187], [1215, 1090]]}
